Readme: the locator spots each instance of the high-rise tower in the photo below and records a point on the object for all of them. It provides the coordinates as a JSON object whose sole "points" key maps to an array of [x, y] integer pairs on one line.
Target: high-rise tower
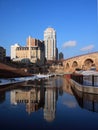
{"points": [[50, 43]]}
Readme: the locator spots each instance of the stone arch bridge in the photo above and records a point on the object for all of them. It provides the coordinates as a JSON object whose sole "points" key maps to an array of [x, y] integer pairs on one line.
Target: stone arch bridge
{"points": [[84, 62]]}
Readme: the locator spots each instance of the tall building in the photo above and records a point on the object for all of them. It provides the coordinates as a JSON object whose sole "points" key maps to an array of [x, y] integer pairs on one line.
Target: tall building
{"points": [[61, 56], [56, 53], [50, 43], [2, 53]]}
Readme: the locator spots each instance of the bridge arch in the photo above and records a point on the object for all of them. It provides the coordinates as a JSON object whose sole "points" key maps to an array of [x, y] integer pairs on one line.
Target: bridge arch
{"points": [[88, 63], [67, 66], [75, 64]]}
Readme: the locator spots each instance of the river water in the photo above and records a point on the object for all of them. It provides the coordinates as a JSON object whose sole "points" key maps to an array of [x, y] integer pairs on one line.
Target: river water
{"points": [[47, 105]]}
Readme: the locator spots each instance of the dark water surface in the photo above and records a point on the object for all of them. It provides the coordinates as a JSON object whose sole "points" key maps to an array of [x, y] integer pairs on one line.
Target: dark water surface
{"points": [[47, 105]]}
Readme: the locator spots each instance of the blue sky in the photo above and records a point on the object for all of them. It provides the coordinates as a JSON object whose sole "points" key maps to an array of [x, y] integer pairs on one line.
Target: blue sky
{"points": [[75, 22]]}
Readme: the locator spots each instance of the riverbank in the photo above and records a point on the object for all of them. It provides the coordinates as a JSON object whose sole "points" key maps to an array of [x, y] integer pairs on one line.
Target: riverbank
{"points": [[11, 72]]}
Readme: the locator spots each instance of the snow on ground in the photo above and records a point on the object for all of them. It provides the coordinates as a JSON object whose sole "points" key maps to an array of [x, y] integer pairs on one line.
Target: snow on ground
{"points": [[22, 79]]}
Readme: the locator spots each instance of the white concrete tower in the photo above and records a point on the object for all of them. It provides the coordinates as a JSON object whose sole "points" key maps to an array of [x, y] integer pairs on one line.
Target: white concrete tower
{"points": [[50, 43]]}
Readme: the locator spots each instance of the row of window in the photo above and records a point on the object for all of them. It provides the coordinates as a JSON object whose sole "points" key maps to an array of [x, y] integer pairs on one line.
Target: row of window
{"points": [[27, 48]]}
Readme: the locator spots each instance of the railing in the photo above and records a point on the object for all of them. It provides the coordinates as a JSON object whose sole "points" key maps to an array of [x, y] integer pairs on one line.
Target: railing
{"points": [[91, 80], [80, 55], [88, 80], [77, 78]]}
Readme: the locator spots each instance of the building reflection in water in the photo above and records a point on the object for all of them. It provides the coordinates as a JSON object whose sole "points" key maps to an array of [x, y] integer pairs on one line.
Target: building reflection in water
{"points": [[44, 94], [2, 96], [53, 89], [38, 96], [33, 98], [50, 104], [86, 101]]}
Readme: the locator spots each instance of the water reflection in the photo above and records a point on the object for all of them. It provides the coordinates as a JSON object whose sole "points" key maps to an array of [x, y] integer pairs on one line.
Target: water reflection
{"points": [[2, 97], [50, 104], [86, 101], [44, 94], [33, 98], [39, 94], [46, 104]]}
